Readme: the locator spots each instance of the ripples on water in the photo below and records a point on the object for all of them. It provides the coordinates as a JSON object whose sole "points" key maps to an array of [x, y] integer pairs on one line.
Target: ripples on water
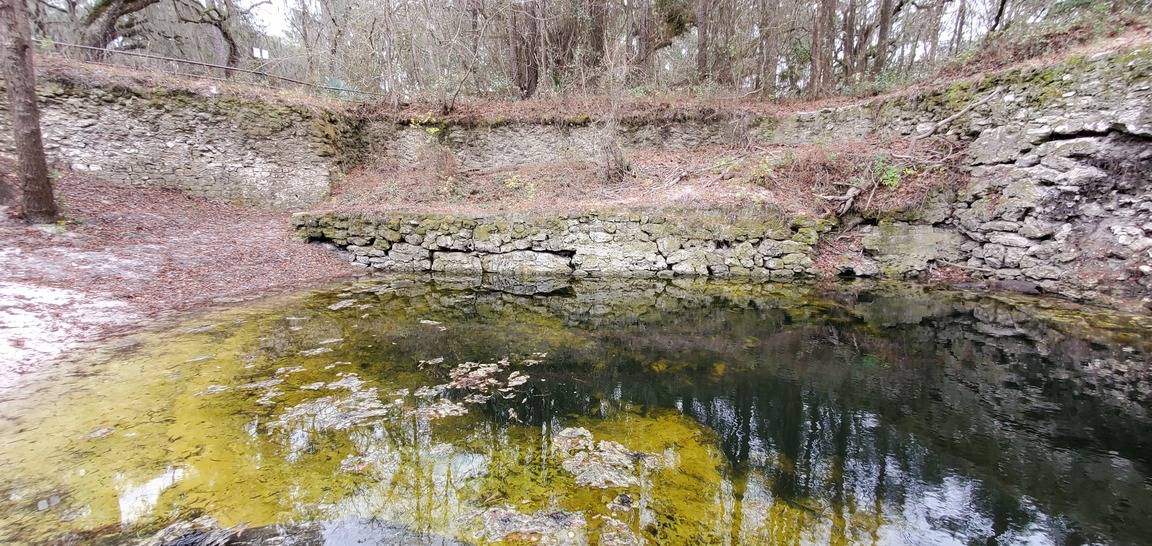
{"points": [[406, 411]]}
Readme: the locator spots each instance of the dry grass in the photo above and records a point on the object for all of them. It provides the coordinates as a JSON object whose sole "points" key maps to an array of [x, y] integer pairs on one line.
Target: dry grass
{"points": [[60, 69], [790, 180], [1039, 44]]}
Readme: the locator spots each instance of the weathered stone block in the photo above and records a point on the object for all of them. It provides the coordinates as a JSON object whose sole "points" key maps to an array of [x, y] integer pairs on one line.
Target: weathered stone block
{"points": [[905, 250], [407, 252], [457, 262], [999, 145], [1044, 272], [1010, 239], [526, 262]]}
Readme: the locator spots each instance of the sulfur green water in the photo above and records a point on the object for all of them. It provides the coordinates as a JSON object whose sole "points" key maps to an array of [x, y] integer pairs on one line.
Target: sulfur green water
{"points": [[643, 412]]}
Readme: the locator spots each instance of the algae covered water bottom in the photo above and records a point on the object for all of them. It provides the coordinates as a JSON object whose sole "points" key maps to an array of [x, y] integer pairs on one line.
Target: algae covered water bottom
{"points": [[473, 411]]}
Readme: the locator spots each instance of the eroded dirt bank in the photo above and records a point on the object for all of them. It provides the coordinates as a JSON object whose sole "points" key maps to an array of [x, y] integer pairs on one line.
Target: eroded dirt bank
{"points": [[126, 257]]}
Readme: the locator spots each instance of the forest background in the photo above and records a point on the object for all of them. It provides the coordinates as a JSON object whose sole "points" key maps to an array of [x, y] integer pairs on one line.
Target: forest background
{"points": [[440, 51]]}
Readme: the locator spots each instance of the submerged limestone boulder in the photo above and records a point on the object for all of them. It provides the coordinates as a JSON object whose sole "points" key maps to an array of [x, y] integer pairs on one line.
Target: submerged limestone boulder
{"points": [[509, 526]]}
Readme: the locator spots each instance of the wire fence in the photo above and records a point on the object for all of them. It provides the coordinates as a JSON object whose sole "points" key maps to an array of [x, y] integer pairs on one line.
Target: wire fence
{"points": [[250, 76]]}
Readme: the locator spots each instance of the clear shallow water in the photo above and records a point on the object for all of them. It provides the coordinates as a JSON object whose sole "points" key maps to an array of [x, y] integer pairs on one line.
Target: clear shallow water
{"points": [[631, 412]]}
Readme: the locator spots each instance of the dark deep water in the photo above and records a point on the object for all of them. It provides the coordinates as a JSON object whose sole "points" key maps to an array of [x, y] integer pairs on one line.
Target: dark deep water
{"points": [[627, 412]]}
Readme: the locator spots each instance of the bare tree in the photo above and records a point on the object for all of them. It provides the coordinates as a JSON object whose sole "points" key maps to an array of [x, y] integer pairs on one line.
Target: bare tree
{"points": [[703, 71], [523, 45], [100, 23], [822, 48], [219, 16], [437, 51], [39, 204]]}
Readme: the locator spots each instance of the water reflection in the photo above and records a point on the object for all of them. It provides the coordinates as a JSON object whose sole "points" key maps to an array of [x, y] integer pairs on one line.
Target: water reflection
{"points": [[137, 501], [439, 411]]}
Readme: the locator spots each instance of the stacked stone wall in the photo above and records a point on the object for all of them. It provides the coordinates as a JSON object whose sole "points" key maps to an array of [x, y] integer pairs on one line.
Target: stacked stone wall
{"points": [[606, 244], [242, 152]]}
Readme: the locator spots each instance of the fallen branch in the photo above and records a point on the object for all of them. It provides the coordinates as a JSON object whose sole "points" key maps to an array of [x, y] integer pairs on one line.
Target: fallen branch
{"points": [[685, 174], [486, 172], [844, 197], [871, 194], [948, 120]]}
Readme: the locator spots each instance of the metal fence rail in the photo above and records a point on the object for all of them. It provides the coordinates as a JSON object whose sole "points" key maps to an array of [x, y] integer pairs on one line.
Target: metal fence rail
{"points": [[262, 76]]}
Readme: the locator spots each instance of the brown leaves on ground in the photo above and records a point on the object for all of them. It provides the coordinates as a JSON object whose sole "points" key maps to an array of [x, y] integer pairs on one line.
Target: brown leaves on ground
{"points": [[158, 250]]}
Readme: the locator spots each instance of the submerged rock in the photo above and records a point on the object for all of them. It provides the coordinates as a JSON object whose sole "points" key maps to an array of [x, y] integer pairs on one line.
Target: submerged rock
{"points": [[591, 469], [604, 465], [202, 531], [614, 532], [571, 439], [555, 528]]}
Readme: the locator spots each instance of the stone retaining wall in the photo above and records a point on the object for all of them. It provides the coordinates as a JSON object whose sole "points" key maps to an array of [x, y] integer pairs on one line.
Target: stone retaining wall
{"points": [[592, 244], [242, 152]]}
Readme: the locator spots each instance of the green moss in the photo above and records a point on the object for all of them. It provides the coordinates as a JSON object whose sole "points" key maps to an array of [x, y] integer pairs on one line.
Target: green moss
{"points": [[580, 120], [951, 99], [767, 126], [806, 235], [482, 232]]}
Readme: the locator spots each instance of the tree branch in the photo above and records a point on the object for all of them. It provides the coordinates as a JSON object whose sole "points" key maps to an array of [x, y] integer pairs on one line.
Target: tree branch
{"points": [[948, 120]]}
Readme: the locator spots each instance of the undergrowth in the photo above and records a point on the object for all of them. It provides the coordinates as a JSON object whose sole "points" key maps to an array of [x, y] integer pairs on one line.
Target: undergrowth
{"points": [[889, 180], [1076, 23]]}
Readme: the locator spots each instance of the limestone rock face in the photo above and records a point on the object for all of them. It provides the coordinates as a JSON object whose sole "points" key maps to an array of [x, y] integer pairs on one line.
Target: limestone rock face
{"points": [[635, 258], [903, 250], [1000, 145]]}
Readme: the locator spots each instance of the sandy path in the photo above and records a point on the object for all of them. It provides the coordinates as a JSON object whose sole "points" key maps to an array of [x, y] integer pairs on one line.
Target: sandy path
{"points": [[128, 256]]}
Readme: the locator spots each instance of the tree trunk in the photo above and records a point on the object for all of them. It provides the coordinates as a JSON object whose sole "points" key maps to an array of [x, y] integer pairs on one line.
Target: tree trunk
{"points": [[885, 30], [523, 32], [644, 40], [769, 56], [720, 35], [958, 36], [100, 24], [937, 14], [531, 78], [999, 17], [702, 45], [823, 40], [598, 12], [850, 41], [233, 56], [99, 30], [38, 202]]}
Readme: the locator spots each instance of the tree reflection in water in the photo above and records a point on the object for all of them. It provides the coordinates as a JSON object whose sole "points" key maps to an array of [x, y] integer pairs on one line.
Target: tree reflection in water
{"points": [[758, 414]]}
